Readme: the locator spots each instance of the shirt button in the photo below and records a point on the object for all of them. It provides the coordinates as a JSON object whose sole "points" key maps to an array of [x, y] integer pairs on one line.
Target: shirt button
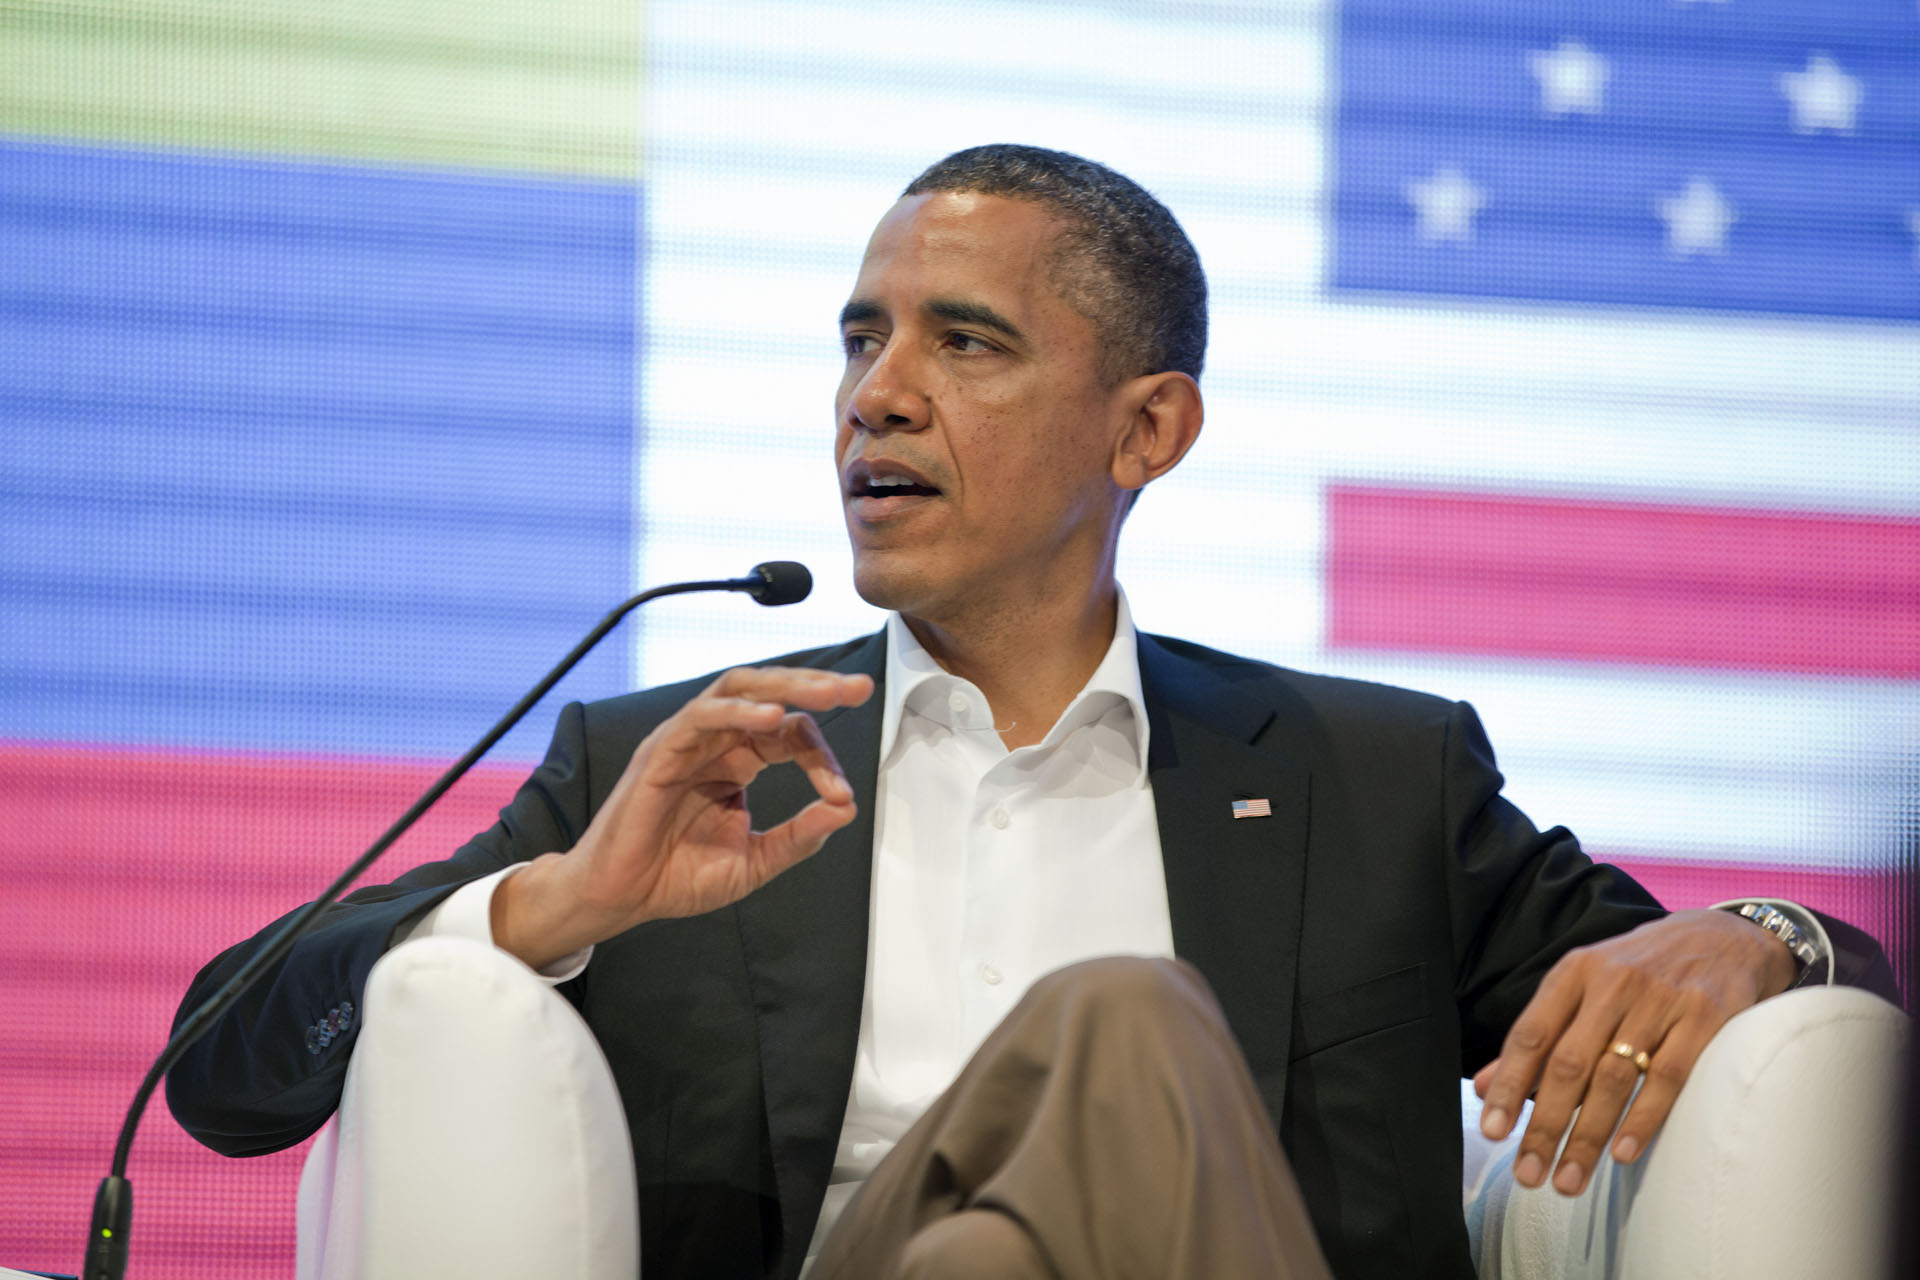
{"points": [[990, 975], [999, 819], [957, 701]]}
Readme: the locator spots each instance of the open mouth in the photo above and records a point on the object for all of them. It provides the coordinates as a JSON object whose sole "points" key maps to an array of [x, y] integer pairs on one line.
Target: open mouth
{"points": [[878, 486], [890, 487]]}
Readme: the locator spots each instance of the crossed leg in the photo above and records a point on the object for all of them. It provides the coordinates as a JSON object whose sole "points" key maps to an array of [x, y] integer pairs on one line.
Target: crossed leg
{"points": [[1107, 1128]]}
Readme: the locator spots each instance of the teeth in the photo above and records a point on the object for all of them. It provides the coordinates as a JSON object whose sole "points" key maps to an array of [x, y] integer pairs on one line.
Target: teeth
{"points": [[887, 482]]}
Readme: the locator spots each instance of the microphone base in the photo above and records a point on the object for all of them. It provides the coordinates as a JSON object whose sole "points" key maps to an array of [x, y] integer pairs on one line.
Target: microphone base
{"points": [[107, 1238]]}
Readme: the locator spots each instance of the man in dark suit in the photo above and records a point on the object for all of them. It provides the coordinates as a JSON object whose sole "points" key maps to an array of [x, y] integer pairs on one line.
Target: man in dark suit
{"points": [[1022, 351]]}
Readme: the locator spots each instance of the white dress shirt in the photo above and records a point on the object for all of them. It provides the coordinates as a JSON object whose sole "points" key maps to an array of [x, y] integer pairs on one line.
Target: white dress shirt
{"points": [[991, 868]]}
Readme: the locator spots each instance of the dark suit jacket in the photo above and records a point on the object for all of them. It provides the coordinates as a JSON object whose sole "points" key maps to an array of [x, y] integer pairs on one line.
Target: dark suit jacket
{"points": [[1370, 943]]}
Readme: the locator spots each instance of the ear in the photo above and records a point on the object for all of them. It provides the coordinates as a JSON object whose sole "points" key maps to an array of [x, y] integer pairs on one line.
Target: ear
{"points": [[1163, 421]]}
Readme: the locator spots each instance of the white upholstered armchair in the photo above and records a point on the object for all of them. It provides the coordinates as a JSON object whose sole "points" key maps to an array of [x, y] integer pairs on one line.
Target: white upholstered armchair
{"points": [[1775, 1161], [480, 1136]]}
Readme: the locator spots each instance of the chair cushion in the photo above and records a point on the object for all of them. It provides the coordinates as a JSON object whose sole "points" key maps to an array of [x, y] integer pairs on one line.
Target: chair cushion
{"points": [[479, 1134]]}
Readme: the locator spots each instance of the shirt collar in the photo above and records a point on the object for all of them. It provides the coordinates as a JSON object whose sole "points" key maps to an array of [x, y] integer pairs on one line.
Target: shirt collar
{"points": [[909, 666]]}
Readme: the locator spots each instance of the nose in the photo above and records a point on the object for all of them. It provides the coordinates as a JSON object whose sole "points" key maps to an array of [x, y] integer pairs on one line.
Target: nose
{"points": [[890, 394]]}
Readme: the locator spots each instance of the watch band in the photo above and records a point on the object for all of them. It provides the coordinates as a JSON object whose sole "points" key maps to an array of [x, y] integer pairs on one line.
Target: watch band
{"points": [[1776, 923], [1795, 926]]}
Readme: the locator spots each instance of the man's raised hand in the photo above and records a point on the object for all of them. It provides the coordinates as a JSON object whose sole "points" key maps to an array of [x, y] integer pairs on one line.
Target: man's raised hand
{"points": [[1663, 989], [674, 837]]}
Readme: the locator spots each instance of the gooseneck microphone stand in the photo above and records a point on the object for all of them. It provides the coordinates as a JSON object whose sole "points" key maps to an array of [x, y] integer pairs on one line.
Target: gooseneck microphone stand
{"points": [[776, 582]]}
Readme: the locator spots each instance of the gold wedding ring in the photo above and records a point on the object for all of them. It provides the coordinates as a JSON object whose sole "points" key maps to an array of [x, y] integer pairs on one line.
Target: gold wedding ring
{"points": [[1638, 1057]]}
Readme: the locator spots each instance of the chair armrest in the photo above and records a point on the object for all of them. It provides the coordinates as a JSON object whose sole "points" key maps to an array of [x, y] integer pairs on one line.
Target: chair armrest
{"points": [[1776, 1160], [479, 1134]]}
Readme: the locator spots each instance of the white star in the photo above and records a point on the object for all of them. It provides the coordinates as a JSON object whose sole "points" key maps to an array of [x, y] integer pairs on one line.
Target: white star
{"points": [[1697, 219], [1572, 78], [1446, 203], [1823, 96]]}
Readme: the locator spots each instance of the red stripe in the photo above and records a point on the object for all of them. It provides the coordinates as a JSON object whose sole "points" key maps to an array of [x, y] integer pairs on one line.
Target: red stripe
{"points": [[1858, 896], [121, 873], [1448, 572]]}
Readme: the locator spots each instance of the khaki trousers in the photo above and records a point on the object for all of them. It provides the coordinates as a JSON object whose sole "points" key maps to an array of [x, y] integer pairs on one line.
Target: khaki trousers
{"points": [[1107, 1128]]}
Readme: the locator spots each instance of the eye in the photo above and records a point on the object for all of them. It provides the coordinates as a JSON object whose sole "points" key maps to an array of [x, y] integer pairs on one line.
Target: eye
{"points": [[856, 344], [968, 343]]}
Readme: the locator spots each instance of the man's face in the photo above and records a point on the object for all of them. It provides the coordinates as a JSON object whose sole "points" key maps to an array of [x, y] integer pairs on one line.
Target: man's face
{"points": [[975, 436]]}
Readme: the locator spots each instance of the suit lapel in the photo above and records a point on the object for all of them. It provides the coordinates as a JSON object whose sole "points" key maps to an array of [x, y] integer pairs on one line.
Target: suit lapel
{"points": [[804, 935], [1234, 885]]}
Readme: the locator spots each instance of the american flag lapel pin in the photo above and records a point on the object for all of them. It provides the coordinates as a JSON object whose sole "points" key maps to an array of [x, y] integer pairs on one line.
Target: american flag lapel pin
{"points": [[1255, 808]]}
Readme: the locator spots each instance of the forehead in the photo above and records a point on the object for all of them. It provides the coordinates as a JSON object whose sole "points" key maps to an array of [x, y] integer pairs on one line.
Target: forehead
{"points": [[961, 243]]}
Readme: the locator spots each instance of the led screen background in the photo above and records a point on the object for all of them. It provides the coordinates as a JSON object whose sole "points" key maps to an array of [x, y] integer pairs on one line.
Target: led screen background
{"points": [[353, 361]]}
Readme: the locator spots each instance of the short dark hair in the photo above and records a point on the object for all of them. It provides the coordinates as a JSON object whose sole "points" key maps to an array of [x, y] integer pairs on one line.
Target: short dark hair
{"points": [[1123, 262]]}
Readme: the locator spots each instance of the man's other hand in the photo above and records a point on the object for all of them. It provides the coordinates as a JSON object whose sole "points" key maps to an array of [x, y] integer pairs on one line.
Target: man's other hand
{"points": [[674, 837], [1664, 989]]}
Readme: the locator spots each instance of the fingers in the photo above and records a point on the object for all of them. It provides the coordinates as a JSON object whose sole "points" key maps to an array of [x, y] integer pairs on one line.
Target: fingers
{"points": [[712, 714], [722, 740], [1559, 1049], [799, 739], [1612, 1078], [754, 702], [1661, 991], [802, 742], [803, 687], [1667, 1071], [799, 837], [1483, 1078], [1566, 1071], [1523, 1055], [753, 699], [1572, 1066]]}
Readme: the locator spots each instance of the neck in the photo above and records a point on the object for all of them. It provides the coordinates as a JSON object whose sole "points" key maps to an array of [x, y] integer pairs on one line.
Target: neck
{"points": [[1029, 662]]}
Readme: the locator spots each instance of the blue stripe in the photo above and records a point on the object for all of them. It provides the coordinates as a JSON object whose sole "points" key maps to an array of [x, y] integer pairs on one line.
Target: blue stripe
{"points": [[300, 456]]}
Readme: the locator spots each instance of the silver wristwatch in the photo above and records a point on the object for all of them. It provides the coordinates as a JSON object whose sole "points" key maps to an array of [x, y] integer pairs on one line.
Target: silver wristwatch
{"points": [[1806, 942]]}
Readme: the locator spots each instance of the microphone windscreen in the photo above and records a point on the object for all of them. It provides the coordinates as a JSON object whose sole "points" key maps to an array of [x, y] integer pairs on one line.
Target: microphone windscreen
{"points": [[783, 582]]}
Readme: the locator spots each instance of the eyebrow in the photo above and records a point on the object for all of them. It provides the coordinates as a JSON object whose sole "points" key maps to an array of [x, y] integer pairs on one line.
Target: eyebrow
{"points": [[862, 310], [974, 313]]}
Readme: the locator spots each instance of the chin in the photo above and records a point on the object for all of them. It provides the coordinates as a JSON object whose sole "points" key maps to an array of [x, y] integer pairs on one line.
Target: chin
{"points": [[894, 586], [878, 588]]}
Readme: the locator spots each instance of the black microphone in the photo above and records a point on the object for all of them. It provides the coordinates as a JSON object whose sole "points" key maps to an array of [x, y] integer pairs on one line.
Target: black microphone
{"points": [[781, 582], [774, 583]]}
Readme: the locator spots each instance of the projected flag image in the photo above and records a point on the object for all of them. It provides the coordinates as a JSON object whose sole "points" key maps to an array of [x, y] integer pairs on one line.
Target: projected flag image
{"points": [[355, 359], [317, 346]]}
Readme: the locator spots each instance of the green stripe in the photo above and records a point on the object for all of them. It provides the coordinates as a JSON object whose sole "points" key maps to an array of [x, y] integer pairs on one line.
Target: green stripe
{"points": [[542, 85]]}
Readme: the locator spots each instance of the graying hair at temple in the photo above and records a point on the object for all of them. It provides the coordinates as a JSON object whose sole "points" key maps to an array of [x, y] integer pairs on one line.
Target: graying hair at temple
{"points": [[1123, 260]]}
